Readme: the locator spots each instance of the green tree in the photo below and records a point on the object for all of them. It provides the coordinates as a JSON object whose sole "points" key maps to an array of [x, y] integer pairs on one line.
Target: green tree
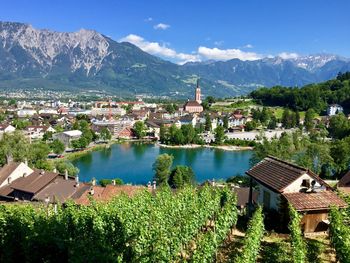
{"points": [[219, 135], [308, 121], [339, 126], [57, 146], [189, 133], [180, 176], [139, 129], [162, 167], [207, 122], [105, 182], [170, 108], [63, 166], [14, 146], [225, 122], [47, 136], [163, 134], [105, 134], [38, 153]]}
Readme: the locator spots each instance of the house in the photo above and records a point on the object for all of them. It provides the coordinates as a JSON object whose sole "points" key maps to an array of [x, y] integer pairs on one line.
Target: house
{"points": [[188, 119], [67, 136], [236, 119], [6, 128], [12, 171], [334, 109], [38, 185], [280, 183], [26, 113], [344, 183], [37, 131]]}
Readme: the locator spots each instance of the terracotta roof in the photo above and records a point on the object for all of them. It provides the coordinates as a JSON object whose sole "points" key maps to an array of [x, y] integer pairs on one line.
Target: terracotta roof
{"points": [[34, 182], [344, 181], [7, 170], [277, 174], [108, 192], [314, 201], [192, 103]]}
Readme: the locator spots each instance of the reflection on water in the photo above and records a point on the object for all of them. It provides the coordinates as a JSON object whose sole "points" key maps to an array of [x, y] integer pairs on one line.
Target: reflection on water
{"points": [[139, 150], [133, 162]]}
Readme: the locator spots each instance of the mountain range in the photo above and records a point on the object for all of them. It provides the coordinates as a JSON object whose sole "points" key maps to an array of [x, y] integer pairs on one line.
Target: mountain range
{"points": [[86, 59]]}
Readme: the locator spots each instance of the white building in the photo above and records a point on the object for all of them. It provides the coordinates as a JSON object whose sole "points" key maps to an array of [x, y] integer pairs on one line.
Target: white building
{"points": [[26, 113], [334, 109], [67, 136]]}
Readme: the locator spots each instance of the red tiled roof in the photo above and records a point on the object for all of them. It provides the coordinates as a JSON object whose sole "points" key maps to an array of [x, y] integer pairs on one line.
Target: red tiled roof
{"points": [[277, 174], [314, 201], [108, 192], [192, 104]]}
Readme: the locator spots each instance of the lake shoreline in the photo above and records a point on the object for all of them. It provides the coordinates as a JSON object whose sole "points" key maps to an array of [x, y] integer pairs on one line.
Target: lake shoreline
{"points": [[195, 146]]}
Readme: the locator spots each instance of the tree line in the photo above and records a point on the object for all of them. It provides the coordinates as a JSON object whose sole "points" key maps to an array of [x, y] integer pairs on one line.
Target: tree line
{"points": [[312, 96]]}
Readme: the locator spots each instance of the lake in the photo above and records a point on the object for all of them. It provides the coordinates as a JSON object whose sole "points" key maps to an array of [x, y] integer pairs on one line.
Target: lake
{"points": [[132, 162]]}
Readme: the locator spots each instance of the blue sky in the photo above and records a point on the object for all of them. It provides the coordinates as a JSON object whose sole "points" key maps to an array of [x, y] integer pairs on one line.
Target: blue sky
{"points": [[199, 30]]}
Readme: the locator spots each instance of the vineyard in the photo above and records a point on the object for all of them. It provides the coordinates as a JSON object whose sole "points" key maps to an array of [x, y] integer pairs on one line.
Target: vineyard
{"points": [[189, 225], [164, 227]]}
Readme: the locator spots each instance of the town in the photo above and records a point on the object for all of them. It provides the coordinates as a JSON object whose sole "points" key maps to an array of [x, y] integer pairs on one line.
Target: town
{"points": [[173, 131]]}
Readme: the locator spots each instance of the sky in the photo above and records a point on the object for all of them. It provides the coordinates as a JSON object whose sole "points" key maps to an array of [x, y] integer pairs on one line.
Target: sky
{"points": [[182, 31]]}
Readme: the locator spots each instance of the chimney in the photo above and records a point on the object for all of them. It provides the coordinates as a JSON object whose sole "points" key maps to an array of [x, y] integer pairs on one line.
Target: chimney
{"points": [[25, 175], [66, 174], [92, 191], [93, 182], [154, 185], [113, 182], [26, 161], [9, 180], [55, 170], [149, 185], [77, 181]]}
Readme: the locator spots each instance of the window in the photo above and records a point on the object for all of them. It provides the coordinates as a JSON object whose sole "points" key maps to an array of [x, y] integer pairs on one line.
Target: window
{"points": [[306, 183], [267, 199]]}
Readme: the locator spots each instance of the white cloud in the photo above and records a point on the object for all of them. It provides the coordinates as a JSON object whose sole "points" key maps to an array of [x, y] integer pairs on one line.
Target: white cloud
{"points": [[155, 48], [148, 19], [226, 54], [161, 26], [286, 55], [248, 46]]}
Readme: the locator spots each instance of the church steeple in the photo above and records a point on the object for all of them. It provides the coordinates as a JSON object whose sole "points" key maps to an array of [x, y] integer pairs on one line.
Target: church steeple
{"points": [[198, 93]]}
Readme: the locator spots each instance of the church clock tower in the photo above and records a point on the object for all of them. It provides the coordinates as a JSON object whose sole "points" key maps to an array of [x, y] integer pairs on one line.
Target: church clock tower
{"points": [[198, 93]]}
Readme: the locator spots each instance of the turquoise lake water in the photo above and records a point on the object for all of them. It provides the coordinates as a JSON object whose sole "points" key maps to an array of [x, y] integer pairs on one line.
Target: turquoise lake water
{"points": [[132, 162]]}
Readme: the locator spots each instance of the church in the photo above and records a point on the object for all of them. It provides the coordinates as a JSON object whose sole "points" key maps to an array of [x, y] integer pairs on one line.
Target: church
{"points": [[195, 106]]}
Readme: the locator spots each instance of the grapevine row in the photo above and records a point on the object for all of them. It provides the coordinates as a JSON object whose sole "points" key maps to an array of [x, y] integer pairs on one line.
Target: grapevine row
{"points": [[252, 240], [208, 242], [339, 235], [298, 243]]}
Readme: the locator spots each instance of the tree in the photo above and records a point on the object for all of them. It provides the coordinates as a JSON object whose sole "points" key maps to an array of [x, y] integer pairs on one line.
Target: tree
{"points": [[63, 166], [170, 108], [139, 129], [47, 136], [219, 135], [207, 122], [308, 121], [189, 133], [339, 126], [181, 176], [14, 146], [250, 125], [57, 146], [162, 167], [273, 123], [163, 134], [225, 122], [105, 182], [105, 134], [38, 153]]}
